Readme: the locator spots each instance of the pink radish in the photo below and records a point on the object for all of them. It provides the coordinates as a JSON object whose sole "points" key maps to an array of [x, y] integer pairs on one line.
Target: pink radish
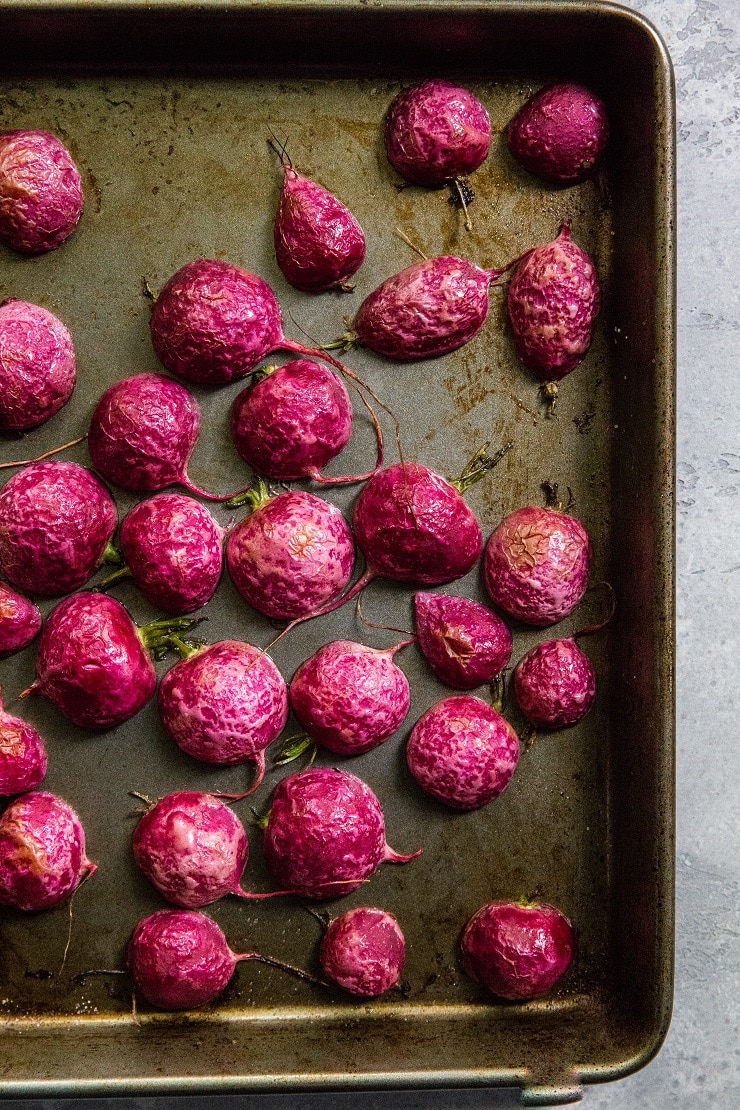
{"points": [[180, 960], [349, 697], [536, 565], [518, 950], [41, 197], [325, 834], [37, 365], [462, 752], [293, 421], [555, 684], [560, 134], [193, 849], [23, 759], [173, 550], [364, 951], [93, 662], [42, 852], [292, 555], [225, 704], [464, 643], [56, 521], [20, 621], [319, 244]]}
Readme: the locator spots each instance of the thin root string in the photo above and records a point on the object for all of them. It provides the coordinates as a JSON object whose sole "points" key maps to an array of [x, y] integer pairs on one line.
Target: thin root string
{"points": [[290, 968], [327, 480], [192, 488], [46, 454], [458, 186], [384, 627], [89, 874], [612, 610], [402, 235], [280, 148], [340, 601]]}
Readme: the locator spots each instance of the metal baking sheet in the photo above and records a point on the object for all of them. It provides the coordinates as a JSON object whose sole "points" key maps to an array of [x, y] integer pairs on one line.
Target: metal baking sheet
{"points": [[167, 108]]}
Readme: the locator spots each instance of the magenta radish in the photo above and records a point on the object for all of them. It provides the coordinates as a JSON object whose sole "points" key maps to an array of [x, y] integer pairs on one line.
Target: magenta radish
{"points": [[293, 554], [364, 951], [20, 621], [180, 960], [93, 662], [462, 752], [37, 365], [23, 759], [325, 834], [41, 197], [560, 134], [436, 132], [536, 565], [143, 432], [56, 521], [42, 852], [349, 697], [464, 643], [193, 849], [553, 302], [293, 421], [555, 684], [319, 244], [517, 950], [173, 550], [225, 704]]}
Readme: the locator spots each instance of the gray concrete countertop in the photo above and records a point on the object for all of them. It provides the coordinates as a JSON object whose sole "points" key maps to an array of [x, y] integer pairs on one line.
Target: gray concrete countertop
{"points": [[699, 1065]]}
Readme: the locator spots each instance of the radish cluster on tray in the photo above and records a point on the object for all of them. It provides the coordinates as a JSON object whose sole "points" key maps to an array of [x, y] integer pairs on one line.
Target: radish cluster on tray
{"points": [[292, 556]]}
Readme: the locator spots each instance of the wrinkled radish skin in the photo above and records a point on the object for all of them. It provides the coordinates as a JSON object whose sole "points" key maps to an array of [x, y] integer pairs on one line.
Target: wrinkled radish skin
{"points": [[364, 951], [560, 134], [56, 519], [349, 697], [23, 759], [553, 302], [435, 132], [41, 197], [174, 550], [464, 643], [292, 423], [555, 684], [20, 621], [536, 565], [517, 950], [325, 834], [319, 244], [462, 752], [37, 365], [42, 852], [180, 960]]}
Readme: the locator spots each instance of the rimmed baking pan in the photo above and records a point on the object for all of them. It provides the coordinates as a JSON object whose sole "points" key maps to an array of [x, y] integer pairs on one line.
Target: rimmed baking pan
{"points": [[167, 108]]}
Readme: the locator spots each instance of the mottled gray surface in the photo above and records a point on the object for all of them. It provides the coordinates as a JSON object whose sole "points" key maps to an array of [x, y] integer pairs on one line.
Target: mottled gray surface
{"points": [[699, 1065]]}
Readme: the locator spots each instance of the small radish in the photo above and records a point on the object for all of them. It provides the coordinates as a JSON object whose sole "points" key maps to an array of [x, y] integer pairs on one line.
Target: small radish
{"points": [[23, 759], [325, 834], [42, 852], [143, 432], [517, 950], [553, 302], [319, 244], [364, 951], [41, 197], [436, 132], [20, 621], [560, 134], [294, 421], [225, 704], [462, 752], [180, 960], [536, 565], [349, 697], [464, 643], [37, 365], [174, 552], [56, 521], [93, 662], [293, 554], [555, 684], [193, 849]]}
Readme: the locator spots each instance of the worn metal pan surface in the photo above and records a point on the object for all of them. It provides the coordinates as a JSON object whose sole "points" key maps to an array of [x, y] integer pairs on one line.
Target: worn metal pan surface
{"points": [[167, 108]]}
